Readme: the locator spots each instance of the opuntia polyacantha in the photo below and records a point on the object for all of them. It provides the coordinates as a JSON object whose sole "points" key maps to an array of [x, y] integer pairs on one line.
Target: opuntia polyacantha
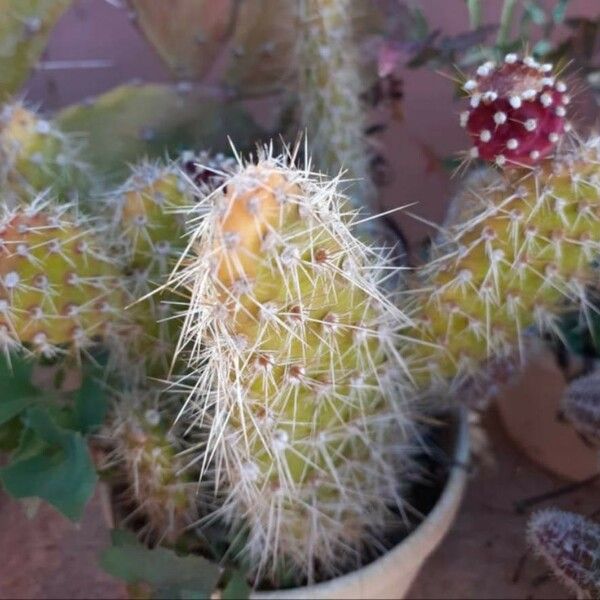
{"points": [[522, 249], [59, 290], [294, 371], [37, 157]]}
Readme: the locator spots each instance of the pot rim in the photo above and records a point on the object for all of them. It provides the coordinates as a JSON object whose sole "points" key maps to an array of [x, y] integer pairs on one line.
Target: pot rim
{"points": [[422, 540]]}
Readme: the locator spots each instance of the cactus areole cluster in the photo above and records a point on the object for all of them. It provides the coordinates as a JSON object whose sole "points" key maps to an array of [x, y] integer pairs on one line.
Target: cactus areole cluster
{"points": [[518, 111]]}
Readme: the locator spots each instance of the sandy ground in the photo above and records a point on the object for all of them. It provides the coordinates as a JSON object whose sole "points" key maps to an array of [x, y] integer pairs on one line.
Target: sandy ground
{"points": [[482, 557]]}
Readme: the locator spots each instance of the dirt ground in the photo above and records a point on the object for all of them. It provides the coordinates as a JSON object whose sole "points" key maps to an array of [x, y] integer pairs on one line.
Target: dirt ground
{"points": [[484, 556]]}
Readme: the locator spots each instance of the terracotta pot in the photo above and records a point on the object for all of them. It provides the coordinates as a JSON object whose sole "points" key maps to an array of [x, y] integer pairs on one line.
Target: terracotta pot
{"points": [[391, 575], [530, 412]]}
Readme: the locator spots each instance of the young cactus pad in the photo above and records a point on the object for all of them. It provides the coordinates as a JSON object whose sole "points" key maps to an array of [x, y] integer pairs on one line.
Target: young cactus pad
{"points": [[58, 290], [518, 111], [570, 544], [292, 342], [146, 462], [37, 156], [148, 232], [523, 249]]}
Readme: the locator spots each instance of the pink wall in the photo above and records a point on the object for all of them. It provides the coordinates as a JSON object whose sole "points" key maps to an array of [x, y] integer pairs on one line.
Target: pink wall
{"points": [[96, 29]]}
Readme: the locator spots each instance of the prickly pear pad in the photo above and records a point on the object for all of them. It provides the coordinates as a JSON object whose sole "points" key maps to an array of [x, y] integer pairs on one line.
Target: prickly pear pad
{"points": [[59, 291], [295, 378]]}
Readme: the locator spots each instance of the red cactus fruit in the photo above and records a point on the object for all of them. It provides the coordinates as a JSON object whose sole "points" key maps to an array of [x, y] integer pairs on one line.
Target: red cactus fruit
{"points": [[518, 111]]}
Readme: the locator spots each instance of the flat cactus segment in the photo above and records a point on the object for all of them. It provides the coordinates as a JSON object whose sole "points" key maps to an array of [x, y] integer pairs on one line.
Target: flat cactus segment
{"points": [[521, 252], [37, 157], [187, 34], [59, 292], [24, 29], [262, 45], [132, 122], [144, 460], [570, 545], [295, 377]]}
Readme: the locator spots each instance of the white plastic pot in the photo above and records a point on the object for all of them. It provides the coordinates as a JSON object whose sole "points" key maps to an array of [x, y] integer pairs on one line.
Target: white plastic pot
{"points": [[392, 575]]}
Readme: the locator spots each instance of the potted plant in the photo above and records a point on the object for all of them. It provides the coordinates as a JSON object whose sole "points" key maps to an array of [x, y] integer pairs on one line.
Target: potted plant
{"points": [[305, 376]]}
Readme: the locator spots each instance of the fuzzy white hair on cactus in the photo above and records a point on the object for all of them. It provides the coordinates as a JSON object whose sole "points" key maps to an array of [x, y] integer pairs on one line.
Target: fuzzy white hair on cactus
{"points": [[296, 381]]}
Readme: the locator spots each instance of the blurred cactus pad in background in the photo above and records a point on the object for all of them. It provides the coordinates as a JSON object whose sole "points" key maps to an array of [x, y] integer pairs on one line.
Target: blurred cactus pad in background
{"points": [[208, 301]]}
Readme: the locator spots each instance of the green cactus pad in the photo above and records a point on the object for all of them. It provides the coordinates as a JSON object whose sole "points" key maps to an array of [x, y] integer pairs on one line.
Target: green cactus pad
{"points": [[519, 251], [187, 34], [133, 122], [24, 29], [58, 290], [292, 345], [38, 157]]}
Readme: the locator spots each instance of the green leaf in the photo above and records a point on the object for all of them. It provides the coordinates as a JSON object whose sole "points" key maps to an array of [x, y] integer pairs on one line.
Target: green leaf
{"points": [[25, 26], [237, 588], [91, 405], [132, 122], [53, 464], [171, 575]]}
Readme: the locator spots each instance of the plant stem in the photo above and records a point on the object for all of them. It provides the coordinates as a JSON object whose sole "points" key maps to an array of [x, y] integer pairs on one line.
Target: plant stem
{"points": [[506, 22], [474, 8]]}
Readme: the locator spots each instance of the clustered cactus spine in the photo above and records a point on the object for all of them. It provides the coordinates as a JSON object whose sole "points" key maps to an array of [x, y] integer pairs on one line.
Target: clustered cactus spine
{"points": [[37, 157], [294, 371], [59, 291]]}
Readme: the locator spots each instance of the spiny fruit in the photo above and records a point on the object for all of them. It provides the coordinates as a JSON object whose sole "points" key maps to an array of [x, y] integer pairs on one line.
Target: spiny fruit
{"points": [[158, 489], [522, 249], [293, 371], [570, 544], [58, 289], [518, 111], [36, 156]]}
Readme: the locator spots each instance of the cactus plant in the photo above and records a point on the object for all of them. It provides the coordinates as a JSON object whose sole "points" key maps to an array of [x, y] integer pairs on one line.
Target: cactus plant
{"points": [[58, 290], [518, 111], [294, 371], [523, 251], [570, 544], [158, 489], [329, 89], [24, 30], [36, 156], [581, 405]]}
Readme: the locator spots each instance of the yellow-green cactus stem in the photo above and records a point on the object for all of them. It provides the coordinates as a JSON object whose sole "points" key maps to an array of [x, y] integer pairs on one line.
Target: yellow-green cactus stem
{"points": [[59, 291], [519, 250], [36, 156], [149, 236], [290, 337], [330, 86], [159, 489]]}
